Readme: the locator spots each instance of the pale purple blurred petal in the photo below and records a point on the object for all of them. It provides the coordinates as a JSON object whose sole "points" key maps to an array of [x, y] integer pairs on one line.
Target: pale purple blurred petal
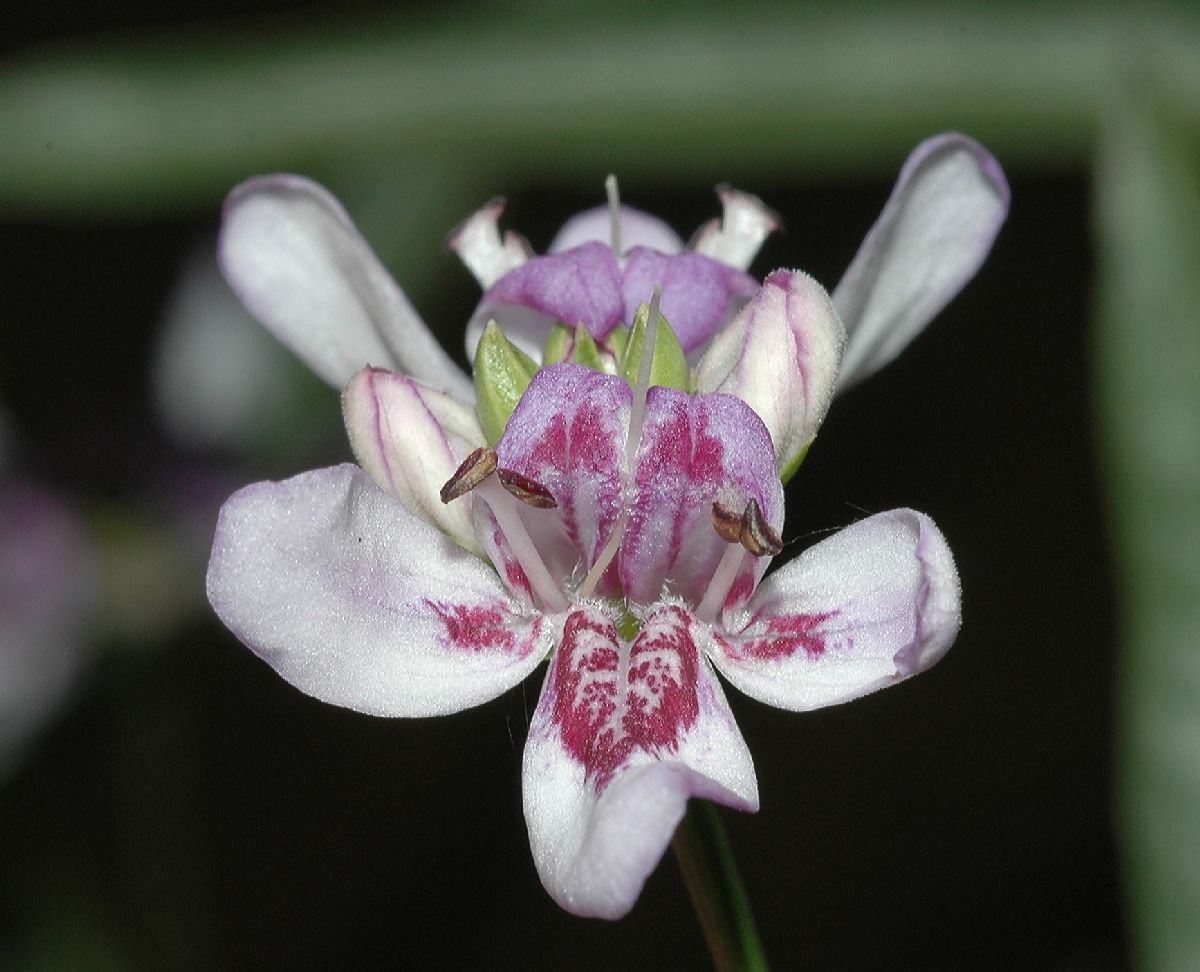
{"points": [[637, 229], [694, 450], [294, 258], [623, 735], [48, 588], [872, 605], [780, 355], [358, 602], [933, 235], [411, 439], [699, 294]]}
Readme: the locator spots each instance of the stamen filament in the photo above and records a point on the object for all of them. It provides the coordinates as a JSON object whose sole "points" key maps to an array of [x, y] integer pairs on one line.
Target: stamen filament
{"points": [[504, 508], [614, 213], [606, 556], [721, 583]]}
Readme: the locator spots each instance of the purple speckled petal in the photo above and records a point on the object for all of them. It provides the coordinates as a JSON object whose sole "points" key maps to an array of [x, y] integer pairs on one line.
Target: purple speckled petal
{"points": [[358, 602], [931, 238], [694, 450], [780, 355], [568, 434], [290, 252], [869, 607], [623, 735], [411, 439], [583, 284], [637, 229], [699, 295]]}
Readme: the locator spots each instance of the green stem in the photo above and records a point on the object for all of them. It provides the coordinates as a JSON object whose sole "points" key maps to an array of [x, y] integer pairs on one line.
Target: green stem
{"points": [[710, 873]]}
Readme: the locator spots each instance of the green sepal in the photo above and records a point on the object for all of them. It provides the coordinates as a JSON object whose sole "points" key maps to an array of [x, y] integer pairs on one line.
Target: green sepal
{"points": [[617, 341], [585, 351], [502, 373], [669, 366], [558, 344], [788, 470]]}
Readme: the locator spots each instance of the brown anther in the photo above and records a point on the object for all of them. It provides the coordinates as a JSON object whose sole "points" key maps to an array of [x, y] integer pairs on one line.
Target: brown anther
{"points": [[727, 522], [474, 470], [528, 491], [757, 535]]}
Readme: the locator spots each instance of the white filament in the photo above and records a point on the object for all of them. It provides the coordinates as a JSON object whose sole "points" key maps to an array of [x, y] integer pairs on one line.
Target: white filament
{"points": [[614, 214], [721, 583], [504, 508]]}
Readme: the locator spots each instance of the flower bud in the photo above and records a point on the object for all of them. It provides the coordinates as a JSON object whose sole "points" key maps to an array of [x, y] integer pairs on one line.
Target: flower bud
{"points": [[502, 373]]}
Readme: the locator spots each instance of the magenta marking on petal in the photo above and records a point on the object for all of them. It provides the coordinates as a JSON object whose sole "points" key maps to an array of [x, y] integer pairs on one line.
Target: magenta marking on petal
{"points": [[785, 635], [474, 628], [607, 711], [740, 593]]}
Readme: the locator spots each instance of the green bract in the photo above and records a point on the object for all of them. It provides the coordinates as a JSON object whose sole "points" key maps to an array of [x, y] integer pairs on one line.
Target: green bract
{"points": [[502, 373]]}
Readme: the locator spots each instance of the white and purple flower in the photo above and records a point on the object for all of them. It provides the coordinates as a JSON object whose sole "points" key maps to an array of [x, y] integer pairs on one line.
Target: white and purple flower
{"points": [[620, 530]]}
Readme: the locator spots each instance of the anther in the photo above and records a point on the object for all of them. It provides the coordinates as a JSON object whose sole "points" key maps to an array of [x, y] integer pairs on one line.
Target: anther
{"points": [[528, 491], [727, 522], [747, 528], [474, 470], [757, 535]]}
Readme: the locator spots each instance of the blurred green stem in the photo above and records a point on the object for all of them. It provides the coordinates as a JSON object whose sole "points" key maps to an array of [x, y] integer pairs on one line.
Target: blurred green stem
{"points": [[710, 873], [1148, 344], [513, 91]]}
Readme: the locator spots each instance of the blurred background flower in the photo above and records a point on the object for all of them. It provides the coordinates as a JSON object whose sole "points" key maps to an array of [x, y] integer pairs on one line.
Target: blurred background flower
{"points": [[1034, 801]]}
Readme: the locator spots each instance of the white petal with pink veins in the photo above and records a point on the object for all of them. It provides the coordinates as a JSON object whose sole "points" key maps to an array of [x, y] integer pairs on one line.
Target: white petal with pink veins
{"points": [[359, 602], [872, 605], [623, 735]]}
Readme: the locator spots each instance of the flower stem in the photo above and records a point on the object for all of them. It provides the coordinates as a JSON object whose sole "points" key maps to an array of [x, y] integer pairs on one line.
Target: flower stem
{"points": [[710, 873]]}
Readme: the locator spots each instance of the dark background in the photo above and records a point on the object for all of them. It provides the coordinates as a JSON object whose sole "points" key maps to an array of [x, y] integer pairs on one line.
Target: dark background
{"points": [[190, 810]]}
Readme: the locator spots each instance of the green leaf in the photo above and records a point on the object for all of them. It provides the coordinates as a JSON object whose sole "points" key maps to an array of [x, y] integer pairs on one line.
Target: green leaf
{"points": [[502, 373], [1148, 330]]}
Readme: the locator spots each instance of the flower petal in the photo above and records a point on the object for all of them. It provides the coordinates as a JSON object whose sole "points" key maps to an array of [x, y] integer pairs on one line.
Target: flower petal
{"points": [[358, 602], [637, 229], [291, 254], [699, 295], [411, 439], [477, 242], [622, 737], [739, 234], [580, 285], [932, 236], [694, 450], [568, 434], [780, 356], [869, 607]]}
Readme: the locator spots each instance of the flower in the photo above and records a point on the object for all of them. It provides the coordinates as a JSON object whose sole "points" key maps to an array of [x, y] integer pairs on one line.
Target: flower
{"points": [[618, 529], [625, 531]]}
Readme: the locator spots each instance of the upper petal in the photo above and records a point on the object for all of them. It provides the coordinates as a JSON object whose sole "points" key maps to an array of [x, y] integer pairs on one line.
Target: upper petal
{"points": [[568, 434], [735, 239], [932, 236], [478, 244], [699, 294], [694, 449], [637, 229], [292, 255], [872, 605], [579, 285], [411, 439], [781, 356], [358, 602], [622, 737]]}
